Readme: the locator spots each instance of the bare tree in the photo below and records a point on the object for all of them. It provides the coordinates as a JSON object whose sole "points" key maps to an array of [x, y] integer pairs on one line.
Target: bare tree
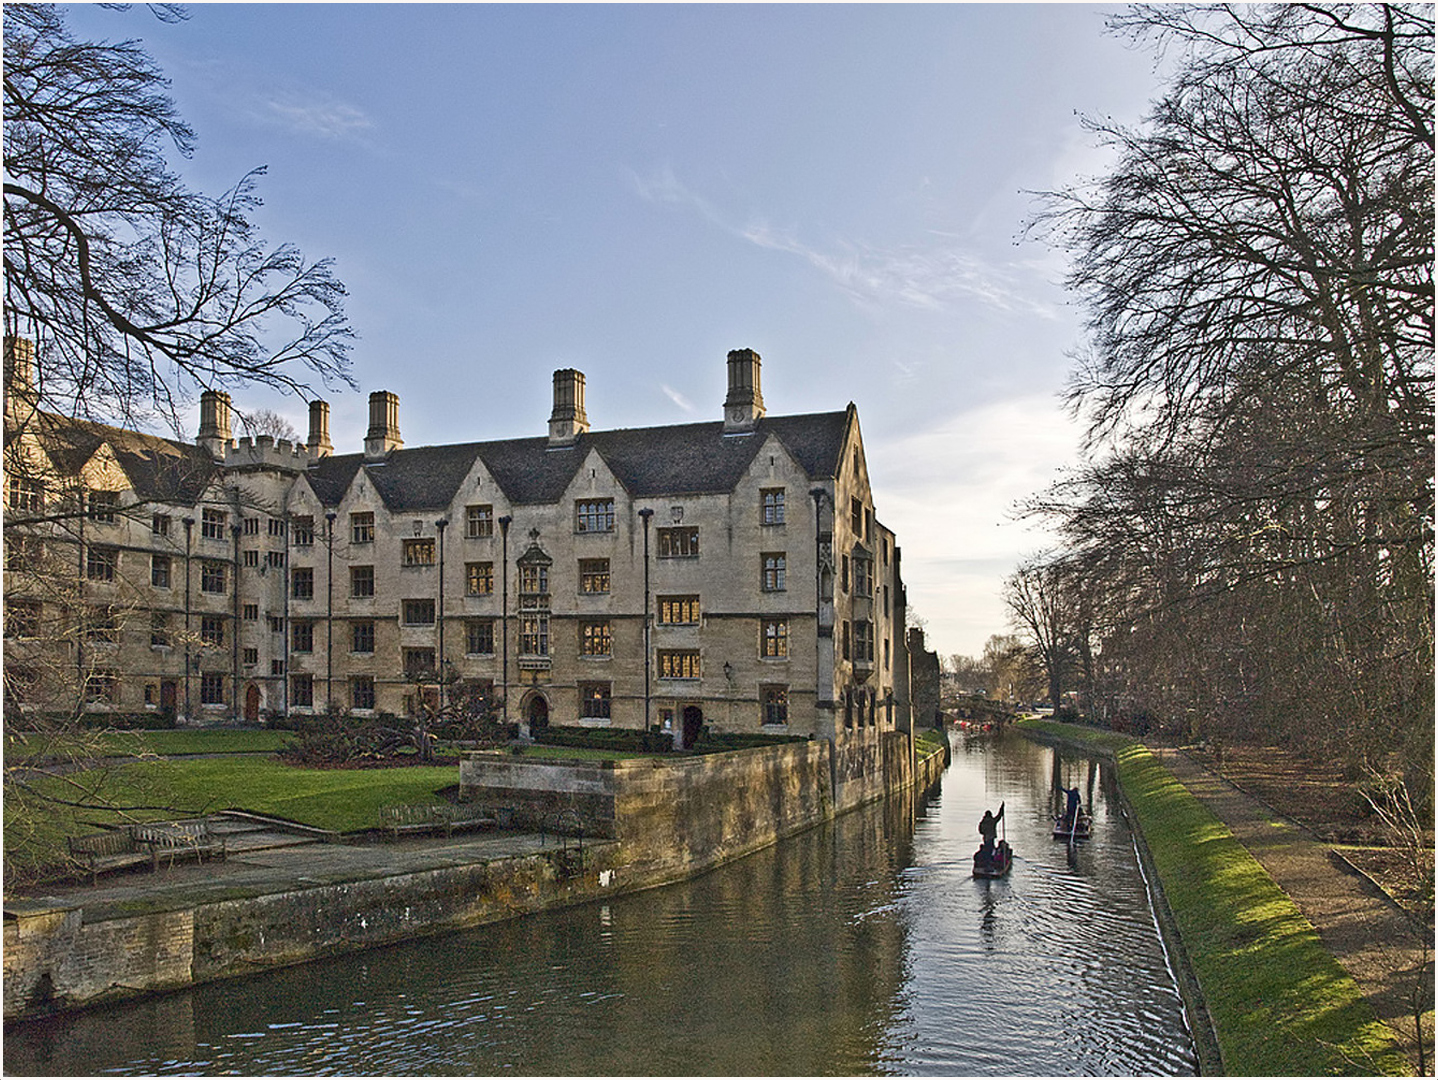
{"points": [[268, 422], [1254, 516], [1041, 596], [136, 288]]}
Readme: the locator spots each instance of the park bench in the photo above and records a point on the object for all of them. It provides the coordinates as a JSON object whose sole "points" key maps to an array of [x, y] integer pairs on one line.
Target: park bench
{"points": [[108, 851], [432, 817], [179, 839]]}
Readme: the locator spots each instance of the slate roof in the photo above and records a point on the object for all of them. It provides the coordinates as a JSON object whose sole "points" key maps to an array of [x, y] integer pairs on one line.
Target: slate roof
{"points": [[160, 470], [683, 459]]}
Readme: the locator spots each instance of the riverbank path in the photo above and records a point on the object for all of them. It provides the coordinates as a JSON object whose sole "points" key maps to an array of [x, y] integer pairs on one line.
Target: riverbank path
{"points": [[1388, 955]]}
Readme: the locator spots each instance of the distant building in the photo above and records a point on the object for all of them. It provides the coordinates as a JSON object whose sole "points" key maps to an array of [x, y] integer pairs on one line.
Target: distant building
{"points": [[732, 574]]}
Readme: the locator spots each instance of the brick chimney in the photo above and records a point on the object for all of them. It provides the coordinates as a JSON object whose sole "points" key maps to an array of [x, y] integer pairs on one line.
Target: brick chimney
{"points": [[567, 422], [319, 441], [215, 435], [745, 404], [383, 434]]}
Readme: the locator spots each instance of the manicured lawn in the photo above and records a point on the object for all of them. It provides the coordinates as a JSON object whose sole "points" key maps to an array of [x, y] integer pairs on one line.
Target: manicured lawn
{"points": [[1281, 1004], [344, 800], [178, 741]]}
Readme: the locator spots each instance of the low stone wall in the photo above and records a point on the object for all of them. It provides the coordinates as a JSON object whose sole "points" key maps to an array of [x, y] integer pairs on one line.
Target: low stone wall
{"points": [[678, 816], [60, 958], [665, 819]]}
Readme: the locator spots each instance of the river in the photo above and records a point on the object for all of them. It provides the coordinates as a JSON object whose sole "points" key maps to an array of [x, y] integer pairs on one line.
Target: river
{"points": [[862, 947]]}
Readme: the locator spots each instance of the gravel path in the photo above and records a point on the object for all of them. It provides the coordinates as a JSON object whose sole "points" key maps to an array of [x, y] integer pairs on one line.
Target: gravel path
{"points": [[1389, 957]]}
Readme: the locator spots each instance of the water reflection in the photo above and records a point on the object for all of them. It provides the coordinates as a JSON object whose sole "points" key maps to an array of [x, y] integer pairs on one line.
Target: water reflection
{"points": [[861, 947]]}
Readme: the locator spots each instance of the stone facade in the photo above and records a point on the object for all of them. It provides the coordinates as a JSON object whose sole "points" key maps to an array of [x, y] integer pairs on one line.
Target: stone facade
{"points": [[731, 575]]}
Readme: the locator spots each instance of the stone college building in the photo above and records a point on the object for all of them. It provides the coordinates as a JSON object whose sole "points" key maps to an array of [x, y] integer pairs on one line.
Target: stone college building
{"points": [[730, 574]]}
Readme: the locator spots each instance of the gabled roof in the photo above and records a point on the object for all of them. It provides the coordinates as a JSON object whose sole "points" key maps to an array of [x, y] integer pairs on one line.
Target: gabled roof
{"points": [[159, 470], [684, 459]]}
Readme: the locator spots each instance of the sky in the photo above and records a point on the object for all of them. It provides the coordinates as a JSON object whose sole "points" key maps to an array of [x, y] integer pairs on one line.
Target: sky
{"points": [[634, 191]]}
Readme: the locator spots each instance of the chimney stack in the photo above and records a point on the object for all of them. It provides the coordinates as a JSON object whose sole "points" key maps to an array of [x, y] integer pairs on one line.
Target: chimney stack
{"points": [[567, 422], [319, 441], [215, 433], [383, 434], [21, 400], [745, 404]]}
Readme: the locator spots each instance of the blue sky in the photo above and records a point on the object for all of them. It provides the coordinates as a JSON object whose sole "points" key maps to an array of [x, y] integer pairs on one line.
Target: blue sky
{"points": [[635, 190]]}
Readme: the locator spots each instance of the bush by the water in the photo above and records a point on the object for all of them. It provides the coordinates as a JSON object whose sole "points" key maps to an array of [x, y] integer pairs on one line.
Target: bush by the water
{"points": [[655, 740]]}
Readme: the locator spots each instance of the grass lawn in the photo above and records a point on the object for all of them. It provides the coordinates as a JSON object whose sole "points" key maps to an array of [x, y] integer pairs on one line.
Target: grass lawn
{"points": [[178, 741], [1281, 1004], [344, 800]]}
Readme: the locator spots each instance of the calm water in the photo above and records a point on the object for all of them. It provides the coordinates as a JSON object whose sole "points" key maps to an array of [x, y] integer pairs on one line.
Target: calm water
{"points": [[863, 947]]}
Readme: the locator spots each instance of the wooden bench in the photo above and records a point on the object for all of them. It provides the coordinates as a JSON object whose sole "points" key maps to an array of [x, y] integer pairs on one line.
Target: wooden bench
{"points": [[108, 851], [180, 839], [432, 817]]}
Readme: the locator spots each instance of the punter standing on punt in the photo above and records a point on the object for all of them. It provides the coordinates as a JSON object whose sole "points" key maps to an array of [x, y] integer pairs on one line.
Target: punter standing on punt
{"points": [[989, 828]]}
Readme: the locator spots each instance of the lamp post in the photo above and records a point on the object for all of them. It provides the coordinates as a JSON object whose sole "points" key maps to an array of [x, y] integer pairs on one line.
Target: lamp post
{"points": [[439, 655], [644, 516], [504, 613], [818, 494], [330, 516], [189, 534], [235, 712]]}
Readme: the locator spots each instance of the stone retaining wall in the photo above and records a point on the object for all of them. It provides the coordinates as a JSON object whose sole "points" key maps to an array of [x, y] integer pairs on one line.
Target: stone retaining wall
{"points": [[668, 819]]}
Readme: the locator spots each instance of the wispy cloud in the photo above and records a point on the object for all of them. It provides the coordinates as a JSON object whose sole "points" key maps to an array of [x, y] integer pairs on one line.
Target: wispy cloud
{"points": [[678, 398], [935, 275], [259, 98], [310, 112]]}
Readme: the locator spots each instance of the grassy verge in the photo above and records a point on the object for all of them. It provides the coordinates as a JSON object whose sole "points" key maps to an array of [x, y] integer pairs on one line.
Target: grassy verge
{"points": [[929, 741], [1281, 1004]]}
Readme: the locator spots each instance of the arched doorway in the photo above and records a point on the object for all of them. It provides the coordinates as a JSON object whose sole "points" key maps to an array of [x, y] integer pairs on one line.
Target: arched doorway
{"points": [[693, 725], [252, 704], [537, 713]]}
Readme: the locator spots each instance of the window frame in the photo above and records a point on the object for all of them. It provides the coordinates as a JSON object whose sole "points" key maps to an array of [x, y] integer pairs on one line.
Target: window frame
{"points": [[479, 521], [302, 583], [666, 607], [594, 515], [667, 548], [771, 506], [774, 638], [479, 579], [592, 571], [774, 571], [214, 576], [212, 523], [362, 631], [364, 571], [596, 701], [774, 702], [302, 635], [686, 664], [212, 630], [474, 634], [102, 563], [596, 638]]}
